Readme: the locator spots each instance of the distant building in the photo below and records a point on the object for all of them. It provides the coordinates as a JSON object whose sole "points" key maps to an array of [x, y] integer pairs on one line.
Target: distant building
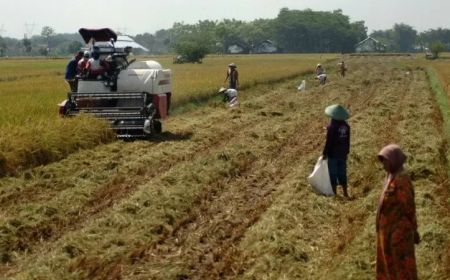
{"points": [[125, 41], [237, 48], [266, 46], [370, 45]]}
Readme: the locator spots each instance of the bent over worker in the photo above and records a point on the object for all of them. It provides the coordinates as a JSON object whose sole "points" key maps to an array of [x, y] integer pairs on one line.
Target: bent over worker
{"points": [[230, 95]]}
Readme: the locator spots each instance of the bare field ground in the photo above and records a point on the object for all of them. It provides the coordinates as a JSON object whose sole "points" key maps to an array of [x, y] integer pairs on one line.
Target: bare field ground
{"points": [[222, 194]]}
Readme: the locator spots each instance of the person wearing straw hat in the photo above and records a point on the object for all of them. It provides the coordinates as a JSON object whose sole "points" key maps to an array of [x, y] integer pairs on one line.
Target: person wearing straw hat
{"points": [[320, 74], [230, 95], [396, 223], [342, 68], [71, 71], [337, 146], [319, 69], [232, 76]]}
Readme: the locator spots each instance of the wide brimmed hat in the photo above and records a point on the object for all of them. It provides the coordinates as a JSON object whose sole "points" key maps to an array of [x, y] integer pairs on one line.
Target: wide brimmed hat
{"points": [[232, 65], [337, 112], [222, 89]]}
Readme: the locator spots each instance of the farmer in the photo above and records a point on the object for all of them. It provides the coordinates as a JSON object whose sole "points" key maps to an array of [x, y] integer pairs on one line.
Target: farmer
{"points": [[71, 71], [337, 146], [81, 68], [319, 69], [320, 74], [229, 95], [232, 76], [396, 224], [342, 68], [95, 66]]}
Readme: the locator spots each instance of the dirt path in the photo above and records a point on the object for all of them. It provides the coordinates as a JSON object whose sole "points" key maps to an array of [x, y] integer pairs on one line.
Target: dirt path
{"points": [[223, 195]]}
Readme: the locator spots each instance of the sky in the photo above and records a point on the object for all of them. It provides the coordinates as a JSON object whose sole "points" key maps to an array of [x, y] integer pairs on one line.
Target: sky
{"points": [[19, 17]]}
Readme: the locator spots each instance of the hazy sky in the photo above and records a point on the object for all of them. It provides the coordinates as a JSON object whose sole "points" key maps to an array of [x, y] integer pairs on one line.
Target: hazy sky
{"points": [[138, 16]]}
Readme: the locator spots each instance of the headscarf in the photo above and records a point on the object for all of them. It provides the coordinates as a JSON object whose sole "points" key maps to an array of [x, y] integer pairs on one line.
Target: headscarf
{"points": [[395, 156]]}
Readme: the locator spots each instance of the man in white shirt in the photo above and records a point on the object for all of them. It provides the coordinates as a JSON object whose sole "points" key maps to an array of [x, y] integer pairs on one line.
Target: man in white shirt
{"points": [[230, 95]]}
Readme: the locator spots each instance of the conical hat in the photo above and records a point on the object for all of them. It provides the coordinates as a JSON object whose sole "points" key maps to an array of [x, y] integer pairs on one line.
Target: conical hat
{"points": [[222, 89], [337, 112]]}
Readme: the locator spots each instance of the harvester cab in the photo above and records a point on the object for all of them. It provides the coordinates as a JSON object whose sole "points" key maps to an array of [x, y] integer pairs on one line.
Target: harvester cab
{"points": [[134, 96]]}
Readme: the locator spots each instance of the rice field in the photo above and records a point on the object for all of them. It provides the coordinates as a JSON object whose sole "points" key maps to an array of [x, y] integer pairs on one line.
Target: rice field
{"points": [[223, 193], [193, 81], [30, 90]]}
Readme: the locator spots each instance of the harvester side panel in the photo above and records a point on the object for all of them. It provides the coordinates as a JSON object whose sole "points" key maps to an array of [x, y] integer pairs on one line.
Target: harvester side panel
{"points": [[154, 81]]}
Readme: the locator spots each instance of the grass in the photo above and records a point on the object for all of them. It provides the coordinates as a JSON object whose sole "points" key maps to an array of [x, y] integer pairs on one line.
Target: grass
{"points": [[442, 72], [442, 98]]}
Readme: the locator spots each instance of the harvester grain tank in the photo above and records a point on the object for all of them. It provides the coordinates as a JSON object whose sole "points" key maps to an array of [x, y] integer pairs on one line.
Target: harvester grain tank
{"points": [[134, 96]]}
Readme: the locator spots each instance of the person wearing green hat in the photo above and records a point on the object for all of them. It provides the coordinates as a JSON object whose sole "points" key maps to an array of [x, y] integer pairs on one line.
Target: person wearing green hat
{"points": [[337, 146]]}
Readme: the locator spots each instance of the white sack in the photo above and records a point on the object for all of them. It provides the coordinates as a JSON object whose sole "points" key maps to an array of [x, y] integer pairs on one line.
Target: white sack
{"points": [[302, 86], [322, 78], [320, 178]]}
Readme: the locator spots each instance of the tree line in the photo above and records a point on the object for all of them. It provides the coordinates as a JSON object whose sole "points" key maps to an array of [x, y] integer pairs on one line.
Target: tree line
{"points": [[292, 31]]}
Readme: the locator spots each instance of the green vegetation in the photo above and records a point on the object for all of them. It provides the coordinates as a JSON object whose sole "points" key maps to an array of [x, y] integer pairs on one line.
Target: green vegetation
{"points": [[191, 51], [436, 48], [292, 31], [304, 31], [442, 101]]}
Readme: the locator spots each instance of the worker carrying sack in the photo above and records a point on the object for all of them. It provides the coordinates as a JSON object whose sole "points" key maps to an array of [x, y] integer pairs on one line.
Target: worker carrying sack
{"points": [[320, 178]]}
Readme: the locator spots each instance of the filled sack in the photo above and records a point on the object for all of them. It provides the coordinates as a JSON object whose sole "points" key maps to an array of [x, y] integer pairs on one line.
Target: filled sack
{"points": [[320, 178], [302, 86]]}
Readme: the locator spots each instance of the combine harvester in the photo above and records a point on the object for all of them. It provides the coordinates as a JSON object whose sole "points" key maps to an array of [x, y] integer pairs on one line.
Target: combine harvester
{"points": [[134, 96]]}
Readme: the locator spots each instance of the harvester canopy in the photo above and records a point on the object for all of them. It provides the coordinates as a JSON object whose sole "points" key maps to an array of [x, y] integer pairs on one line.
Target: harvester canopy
{"points": [[99, 35]]}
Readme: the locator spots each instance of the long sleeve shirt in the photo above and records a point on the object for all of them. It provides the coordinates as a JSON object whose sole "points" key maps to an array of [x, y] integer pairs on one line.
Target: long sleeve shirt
{"points": [[338, 140]]}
